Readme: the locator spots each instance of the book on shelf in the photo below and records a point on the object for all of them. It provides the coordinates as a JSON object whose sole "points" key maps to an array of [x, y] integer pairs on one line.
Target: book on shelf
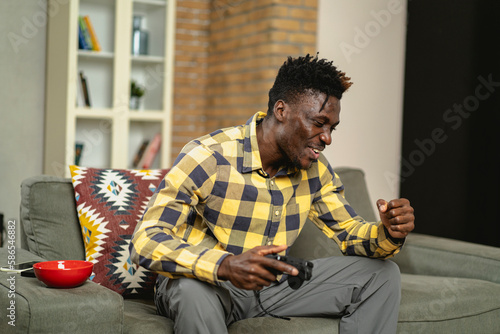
{"points": [[80, 100], [86, 42], [78, 152], [82, 43], [84, 85], [87, 38], [150, 153], [93, 37], [140, 153]]}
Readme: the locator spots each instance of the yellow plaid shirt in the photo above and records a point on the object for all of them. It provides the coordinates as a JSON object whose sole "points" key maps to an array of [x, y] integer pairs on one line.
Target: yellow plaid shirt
{"points": [[217, 200]]}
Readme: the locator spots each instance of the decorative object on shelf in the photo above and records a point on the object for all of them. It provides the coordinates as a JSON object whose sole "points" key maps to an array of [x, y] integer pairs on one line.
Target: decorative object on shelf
{"points": [[139, 37], [87, 38], [136, 93], [140, 153], [150, 153]]}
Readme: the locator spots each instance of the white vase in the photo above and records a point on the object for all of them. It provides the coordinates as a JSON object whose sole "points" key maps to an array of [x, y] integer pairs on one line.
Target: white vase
{"points": [[135, 103]]}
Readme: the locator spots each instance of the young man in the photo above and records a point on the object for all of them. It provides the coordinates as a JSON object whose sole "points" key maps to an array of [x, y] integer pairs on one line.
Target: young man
{"points": [[241, 193]]}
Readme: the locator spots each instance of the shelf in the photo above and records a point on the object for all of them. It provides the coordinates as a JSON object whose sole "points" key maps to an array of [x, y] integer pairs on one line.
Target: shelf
{"points": [[95, 135], [145, 59], [102, 16], [99, 2], [149, 115], [99, 80], [93, 113], [140, 131], [157, 3], [109, 130], [153, 22], [95, 54]]}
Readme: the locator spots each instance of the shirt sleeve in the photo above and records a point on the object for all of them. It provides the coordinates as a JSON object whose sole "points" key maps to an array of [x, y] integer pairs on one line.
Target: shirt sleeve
{"points": [[158, 243], [337, 219]]}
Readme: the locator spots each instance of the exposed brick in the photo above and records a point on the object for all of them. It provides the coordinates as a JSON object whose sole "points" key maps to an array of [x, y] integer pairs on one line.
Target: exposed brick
{"points": [[285, 24], [310, 26], [304, 38], [304, 14], [310, 3], [227, 56]]}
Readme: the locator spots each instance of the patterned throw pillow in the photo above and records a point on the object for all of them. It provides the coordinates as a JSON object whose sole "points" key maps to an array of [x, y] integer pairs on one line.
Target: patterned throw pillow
{"points": [[110, 202]]}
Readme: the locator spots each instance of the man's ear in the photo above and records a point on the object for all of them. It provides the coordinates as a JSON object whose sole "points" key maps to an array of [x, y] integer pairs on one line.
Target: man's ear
{"points": [[279, 110]]}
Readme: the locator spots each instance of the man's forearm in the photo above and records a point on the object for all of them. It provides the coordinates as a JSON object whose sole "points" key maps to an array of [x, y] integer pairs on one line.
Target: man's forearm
{"points": [[161, 252]]}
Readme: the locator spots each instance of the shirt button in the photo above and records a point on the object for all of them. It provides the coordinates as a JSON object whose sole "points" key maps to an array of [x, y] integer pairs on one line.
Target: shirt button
{"points": [[277, 213], [272, 182], [269, 243]]}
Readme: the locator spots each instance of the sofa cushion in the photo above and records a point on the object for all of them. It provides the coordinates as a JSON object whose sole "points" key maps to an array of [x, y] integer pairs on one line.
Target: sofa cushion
{"points": [[34, 308], [109, 203], [48, 213], [433, 304], [140, 317]]}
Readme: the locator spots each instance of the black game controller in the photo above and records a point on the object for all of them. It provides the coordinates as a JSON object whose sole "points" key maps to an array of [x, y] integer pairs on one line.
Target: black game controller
{"points": [[304, 267]]}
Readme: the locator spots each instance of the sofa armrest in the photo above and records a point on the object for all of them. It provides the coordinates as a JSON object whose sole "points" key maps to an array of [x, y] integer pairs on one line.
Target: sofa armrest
{"points": [[435, 256], [32, 307]]}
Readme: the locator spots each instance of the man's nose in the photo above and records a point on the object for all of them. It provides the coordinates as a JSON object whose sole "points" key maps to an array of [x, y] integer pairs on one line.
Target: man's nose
{"points": [[326, 137]]}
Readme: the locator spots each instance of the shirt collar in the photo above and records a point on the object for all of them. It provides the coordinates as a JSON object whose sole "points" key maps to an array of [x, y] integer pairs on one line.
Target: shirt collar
{"points": [[251, 154]]}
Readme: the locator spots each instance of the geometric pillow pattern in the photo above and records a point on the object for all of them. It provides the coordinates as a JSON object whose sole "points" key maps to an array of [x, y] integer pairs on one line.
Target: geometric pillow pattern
{"points": [[109, 204]]}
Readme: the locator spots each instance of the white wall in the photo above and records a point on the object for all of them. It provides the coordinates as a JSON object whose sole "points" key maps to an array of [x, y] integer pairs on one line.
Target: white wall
{"points": [[366, 39], [22, 89]]}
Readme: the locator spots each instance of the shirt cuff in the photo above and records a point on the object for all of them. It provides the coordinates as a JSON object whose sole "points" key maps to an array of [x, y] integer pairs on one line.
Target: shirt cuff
{"points": [[207, 265], [388, 243]]}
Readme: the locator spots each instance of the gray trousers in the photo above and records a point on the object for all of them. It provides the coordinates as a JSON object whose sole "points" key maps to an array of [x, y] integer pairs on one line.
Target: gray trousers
{"points": [[364, 293]]}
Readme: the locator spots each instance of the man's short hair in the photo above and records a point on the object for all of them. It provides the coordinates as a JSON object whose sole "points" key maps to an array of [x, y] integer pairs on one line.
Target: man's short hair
{"points": [[307, 75]]}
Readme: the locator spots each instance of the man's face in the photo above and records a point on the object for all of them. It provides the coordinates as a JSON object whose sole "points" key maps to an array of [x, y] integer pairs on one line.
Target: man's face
{"points": [[307, 128]]}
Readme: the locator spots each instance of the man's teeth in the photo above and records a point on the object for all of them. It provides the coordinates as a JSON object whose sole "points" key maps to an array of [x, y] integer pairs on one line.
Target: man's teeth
{"points": [[315, 150]]}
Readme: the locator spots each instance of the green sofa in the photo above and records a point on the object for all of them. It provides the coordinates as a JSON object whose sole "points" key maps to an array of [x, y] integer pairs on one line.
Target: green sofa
{"points": [[448, 286]]}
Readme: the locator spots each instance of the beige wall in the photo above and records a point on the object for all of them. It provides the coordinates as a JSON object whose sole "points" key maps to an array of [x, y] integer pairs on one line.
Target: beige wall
{"points": [[366, 39], [22, 89]]}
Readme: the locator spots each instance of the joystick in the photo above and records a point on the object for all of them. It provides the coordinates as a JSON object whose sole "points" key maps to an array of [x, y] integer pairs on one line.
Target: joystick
{"points": [[304, 267]]}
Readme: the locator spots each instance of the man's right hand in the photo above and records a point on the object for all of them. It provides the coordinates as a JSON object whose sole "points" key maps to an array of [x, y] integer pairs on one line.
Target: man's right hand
{"points": [[248, 270]]}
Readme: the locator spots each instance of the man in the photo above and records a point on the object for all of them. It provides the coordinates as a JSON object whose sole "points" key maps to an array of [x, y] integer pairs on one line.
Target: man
{"points": [[241, 193]]}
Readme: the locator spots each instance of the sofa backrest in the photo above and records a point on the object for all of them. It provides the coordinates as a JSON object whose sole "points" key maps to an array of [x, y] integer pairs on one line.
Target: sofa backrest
{"points": [[49, 220], [52, 229], [314, 244]]}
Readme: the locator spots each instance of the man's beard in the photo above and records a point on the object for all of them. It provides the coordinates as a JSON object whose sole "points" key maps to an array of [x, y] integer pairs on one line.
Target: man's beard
{"points": [[295, 164]]}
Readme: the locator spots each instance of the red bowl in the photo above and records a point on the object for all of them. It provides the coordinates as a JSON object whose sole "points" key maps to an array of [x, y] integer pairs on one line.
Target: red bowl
{"points": [[63, 274]]}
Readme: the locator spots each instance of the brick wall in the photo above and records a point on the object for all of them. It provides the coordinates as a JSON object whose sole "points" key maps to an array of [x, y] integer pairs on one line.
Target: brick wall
{"points": [[227, 56], [190, 77]]}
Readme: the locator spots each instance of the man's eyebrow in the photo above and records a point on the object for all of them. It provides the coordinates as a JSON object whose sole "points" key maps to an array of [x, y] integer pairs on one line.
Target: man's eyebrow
{"points": [[324, 103]]}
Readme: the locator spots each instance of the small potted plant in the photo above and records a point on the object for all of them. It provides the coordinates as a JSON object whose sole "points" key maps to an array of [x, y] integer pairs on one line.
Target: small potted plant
{"points": [[136, 93]]}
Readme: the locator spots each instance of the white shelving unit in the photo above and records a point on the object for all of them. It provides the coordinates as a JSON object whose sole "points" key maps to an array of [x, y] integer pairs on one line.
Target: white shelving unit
{"points": [[110, 131]]}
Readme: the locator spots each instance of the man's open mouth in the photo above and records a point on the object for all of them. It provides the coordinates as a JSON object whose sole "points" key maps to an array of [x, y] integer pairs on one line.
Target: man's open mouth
{"points": [[315, 152]]}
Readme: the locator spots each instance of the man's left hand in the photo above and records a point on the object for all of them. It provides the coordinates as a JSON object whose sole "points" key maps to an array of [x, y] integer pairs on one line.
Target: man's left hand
{"points": [[397, 216]]}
